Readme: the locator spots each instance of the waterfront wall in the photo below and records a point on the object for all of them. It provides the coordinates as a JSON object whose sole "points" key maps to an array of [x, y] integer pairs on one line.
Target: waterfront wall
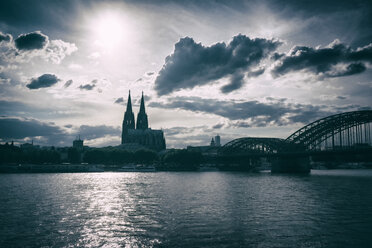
{"points": [[291, 164]]}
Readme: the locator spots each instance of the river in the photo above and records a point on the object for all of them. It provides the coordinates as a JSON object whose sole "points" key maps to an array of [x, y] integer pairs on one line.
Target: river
{"points": [[328, 208]]}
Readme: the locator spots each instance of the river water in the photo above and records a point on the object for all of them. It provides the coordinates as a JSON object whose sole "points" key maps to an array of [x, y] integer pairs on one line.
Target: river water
{"points": [[330, 208]]}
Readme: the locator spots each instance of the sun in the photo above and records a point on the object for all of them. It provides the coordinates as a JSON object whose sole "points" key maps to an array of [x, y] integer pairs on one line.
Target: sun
{"points": [[108, 29]]}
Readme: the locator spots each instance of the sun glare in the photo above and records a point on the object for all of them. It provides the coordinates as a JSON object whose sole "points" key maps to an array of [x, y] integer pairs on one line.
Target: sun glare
{"points": [[108, 30]]}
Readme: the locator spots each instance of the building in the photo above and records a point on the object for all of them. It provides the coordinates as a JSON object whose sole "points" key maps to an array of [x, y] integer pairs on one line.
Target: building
{"points": [[210, 150], [217, 140], [78, 144], [140, 135]]}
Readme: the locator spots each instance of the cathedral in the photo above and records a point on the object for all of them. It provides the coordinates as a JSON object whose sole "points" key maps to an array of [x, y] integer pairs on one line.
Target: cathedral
{"points": [[139, 134]]}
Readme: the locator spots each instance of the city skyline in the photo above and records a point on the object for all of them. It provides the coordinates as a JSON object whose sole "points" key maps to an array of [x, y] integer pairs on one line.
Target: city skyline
{"points": [[233, 68]]}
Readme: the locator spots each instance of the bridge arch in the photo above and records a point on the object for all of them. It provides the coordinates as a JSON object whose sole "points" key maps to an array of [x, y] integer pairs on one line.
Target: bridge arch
{"points": [[335, 131], [257, 145]]}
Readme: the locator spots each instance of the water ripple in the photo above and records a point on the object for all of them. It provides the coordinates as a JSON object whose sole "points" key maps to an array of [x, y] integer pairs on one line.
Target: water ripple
{"points": [[186, 210]]}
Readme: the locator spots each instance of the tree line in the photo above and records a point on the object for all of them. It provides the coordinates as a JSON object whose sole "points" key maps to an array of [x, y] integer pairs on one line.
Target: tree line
{"points": [[175, 159]]}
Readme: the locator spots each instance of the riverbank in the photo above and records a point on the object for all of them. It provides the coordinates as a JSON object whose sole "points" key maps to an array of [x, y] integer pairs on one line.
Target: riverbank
{"points": [[72, 168]]}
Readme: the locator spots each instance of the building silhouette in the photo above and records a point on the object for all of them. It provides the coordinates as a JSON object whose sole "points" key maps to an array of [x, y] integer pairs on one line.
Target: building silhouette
{"points": [[217, 140], [209, 150], [78, 144], [212, 143], [140, 135]]}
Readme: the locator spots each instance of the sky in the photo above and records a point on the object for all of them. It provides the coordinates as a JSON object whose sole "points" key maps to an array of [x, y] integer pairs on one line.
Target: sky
{"points": [[234, 68]]}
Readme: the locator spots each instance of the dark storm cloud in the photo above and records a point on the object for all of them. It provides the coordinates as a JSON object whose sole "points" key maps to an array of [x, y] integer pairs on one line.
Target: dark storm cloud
{"points": [[55, 16], [5, 37], [119, 100], [44, 81], [193, 64], [337, 60], [351, 69], [94, 132], [341, 97], [34, 45], [87, 87], [91, 86], [341, 17], [19, 128], [236, 82], [68, 83], [218, 126], [259, 113], [31, 41], [14, 108], [256, 73], [277, 56]]}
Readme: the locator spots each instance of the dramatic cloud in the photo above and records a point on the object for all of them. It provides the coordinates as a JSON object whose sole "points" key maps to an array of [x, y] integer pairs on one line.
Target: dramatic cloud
{"points": [[218, 126], [193, 64], [119, 100], [341, 97], [19, 128], [99, 84], [336, 60], [87, 87], [14, 108], [68, 83], [94, 132], [33, 45], [258, 113], [31, 41], [236, 82], [256, 73], [44, 81], [57, 50], [5, 37], [328, 18]]}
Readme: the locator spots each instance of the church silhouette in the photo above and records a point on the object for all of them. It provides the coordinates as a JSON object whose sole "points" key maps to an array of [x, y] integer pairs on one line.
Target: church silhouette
{"points": [[140, 135]]}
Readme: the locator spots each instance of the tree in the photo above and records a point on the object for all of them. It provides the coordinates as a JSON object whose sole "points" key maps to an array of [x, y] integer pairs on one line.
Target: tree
{"points": [[73, 155], [145, 156]]}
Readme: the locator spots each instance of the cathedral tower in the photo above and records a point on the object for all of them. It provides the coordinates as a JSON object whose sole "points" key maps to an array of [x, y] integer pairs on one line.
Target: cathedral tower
{"points": [[142, 137], [128, 122], [142, 122]]}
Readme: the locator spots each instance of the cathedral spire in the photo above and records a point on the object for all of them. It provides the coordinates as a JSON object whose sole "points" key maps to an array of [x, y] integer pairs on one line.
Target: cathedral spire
{"points": [[129, 103], [128, 122], [142, 122], [142, 107]]}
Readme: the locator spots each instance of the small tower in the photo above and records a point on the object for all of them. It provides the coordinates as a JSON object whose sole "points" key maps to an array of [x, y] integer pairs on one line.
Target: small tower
{"points": [[142, 121], [128, 122], [78, 143], [217, 140], [212, 142]]}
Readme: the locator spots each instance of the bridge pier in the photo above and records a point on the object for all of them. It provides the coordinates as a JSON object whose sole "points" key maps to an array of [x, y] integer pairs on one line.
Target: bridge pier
{"points": [[291, 164]]}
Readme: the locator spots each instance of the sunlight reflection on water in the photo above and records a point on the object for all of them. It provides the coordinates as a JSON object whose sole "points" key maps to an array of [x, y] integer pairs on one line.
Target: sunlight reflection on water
{"points": [[213, 209]]}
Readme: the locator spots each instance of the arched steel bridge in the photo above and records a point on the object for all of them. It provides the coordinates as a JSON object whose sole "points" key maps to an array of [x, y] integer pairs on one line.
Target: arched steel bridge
{"points": [[258, 145], [340, 131]]}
